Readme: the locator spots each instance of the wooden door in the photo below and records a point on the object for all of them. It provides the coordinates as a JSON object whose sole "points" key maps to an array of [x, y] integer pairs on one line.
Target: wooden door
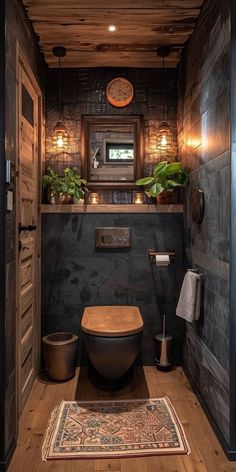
{"points": [[28, 230]]}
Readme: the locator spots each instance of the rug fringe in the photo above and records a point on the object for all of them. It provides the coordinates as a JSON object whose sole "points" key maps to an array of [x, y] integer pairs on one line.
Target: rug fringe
{"points": [[180, 425], [49, 431]]}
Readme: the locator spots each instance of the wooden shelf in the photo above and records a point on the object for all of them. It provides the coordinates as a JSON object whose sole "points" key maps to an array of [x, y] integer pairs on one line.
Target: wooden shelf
{"points": [[112, 208]]}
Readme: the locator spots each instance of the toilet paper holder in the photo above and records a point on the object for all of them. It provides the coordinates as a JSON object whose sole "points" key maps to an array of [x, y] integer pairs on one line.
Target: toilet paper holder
{"points": [[152, 254]]}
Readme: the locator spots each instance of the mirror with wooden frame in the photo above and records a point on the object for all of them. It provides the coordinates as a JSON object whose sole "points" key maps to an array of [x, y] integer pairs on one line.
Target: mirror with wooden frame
{"points": [[112, 150]]}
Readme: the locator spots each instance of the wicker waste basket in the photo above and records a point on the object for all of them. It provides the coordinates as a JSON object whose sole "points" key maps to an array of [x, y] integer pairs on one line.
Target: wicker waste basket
{"points": [[59, 352]]}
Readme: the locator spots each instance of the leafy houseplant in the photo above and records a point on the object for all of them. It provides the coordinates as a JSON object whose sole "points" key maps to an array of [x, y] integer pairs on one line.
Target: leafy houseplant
{"points": [[62, 189], [53, 182], [165, 178], [73, 184]]}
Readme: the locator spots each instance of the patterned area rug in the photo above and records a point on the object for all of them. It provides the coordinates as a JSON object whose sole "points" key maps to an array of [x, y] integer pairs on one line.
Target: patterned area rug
{"points": [[114, 429]]}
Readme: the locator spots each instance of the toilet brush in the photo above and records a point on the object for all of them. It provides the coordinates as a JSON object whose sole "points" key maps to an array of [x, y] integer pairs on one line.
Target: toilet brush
{"points": [[164, 347]]}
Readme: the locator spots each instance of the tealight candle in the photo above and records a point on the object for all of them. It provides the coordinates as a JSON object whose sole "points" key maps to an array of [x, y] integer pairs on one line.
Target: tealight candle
{"points": [[138, 198], [94, 198]]}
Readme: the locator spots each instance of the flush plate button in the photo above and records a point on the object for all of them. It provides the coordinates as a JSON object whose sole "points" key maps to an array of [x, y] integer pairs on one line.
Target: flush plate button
{"points": [[113, 237]]}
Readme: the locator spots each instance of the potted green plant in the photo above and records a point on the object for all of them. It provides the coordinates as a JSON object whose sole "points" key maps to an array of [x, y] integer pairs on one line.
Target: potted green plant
{"points": [[74, 185], [61, 189], [166, 178], [53, 183]]}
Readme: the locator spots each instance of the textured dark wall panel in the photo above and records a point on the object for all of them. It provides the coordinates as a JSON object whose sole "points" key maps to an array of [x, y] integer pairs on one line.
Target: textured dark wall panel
{"points": [[203, 131], [84, 92], [75, 274]]}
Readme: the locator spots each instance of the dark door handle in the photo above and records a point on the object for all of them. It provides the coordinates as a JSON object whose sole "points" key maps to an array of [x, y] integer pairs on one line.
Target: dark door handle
{"points": [[26, 227]]}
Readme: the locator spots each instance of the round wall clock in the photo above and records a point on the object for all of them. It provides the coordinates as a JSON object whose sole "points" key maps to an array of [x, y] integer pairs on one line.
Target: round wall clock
{"points": [[120, 92]]}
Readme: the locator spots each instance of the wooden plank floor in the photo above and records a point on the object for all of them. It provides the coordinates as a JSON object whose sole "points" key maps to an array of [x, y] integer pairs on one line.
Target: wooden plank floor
{"points": [[207, 454]]}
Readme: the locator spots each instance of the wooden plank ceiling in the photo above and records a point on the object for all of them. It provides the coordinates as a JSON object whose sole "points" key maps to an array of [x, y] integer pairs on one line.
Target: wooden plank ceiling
{"points": [[142, 26]]}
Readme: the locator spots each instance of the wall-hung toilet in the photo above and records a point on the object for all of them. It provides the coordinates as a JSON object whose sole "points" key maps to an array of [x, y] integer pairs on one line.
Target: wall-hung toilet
{"points": [[112, 337]]}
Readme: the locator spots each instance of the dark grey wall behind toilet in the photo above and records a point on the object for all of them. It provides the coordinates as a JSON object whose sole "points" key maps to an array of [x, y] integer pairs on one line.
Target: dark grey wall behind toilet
{"points": [[75, 274]]}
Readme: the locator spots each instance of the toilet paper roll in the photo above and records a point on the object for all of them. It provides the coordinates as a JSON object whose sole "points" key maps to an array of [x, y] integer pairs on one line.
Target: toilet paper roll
{"points": [[162, 259]]}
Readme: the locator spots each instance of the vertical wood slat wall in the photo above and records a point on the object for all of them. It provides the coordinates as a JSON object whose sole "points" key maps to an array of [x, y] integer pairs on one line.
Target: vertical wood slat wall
{"points": [[233, 233], [2, 231], [17, 32]]}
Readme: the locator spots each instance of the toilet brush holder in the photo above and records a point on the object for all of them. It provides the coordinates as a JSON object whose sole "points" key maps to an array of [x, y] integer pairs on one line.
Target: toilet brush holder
{"points": [[163, 348], [164, 351]]}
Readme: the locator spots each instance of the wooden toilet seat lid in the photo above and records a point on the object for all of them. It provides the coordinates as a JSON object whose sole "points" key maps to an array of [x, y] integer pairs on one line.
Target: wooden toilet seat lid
{"points": [[112, 321]]}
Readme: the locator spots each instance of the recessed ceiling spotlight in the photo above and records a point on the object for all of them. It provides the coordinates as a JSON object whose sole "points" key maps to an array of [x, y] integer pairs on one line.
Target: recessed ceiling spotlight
{"points": [[112, 28]]}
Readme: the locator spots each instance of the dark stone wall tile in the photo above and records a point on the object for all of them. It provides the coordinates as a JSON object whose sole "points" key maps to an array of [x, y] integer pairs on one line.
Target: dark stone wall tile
{"points": [[75, 274], [215, 304], [212, 236], [204, 94], [203, 130], [215, 127], [84, 92], [217, 342], [210, 379]]}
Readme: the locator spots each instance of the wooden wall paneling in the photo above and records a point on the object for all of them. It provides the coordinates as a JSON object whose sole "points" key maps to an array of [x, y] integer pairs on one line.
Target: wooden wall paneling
{"points": [[121, 59], [18, 315], [2, 235], [116, 4], [28, 209], [142, 27], [233, 233], [41, 165], [10, 357], [17, 28]]}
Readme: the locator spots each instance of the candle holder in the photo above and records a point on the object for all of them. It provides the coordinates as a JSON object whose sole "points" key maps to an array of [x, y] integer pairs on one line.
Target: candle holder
{"points": [[138, 198], [94, 198]]}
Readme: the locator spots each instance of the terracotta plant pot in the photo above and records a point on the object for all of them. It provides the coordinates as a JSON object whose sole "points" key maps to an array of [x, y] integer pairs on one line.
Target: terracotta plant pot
{"points": [[168, 197]]}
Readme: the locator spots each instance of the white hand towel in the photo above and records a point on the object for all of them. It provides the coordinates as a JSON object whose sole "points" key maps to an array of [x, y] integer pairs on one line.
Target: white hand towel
{"points": [[190, 297]]}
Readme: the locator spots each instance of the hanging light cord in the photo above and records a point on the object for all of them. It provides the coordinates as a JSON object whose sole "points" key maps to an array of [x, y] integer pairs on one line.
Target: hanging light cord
{"points": [[163, 78], [59, 91], [166, 92]]}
